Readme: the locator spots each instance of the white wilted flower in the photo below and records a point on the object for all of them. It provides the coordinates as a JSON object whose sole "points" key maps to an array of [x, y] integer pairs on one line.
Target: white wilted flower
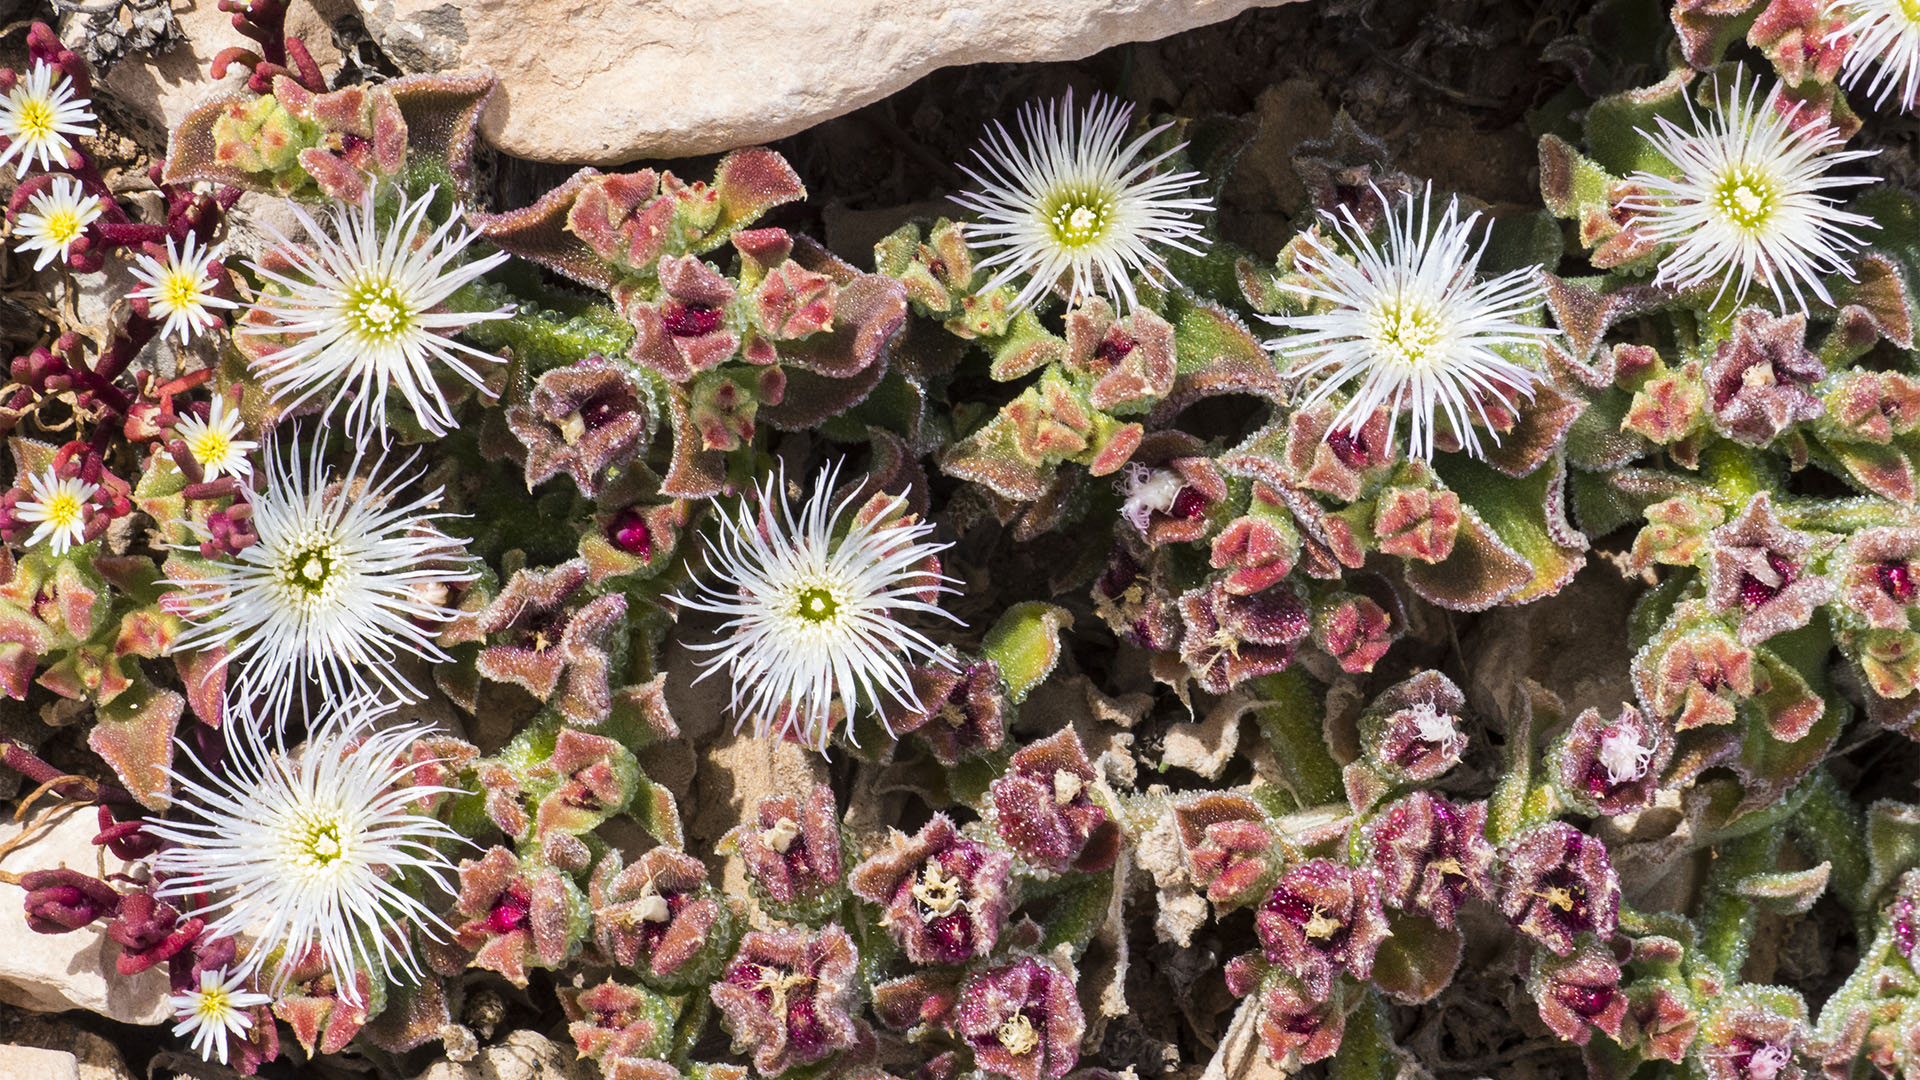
{"points": [[215, 442], [1750, 203], [346, 576], [179, 290], [365, 308], [59, 506], [38, 115], [813, 612], [1407, 326], [54, 219], [306, 850], [1886, 41], [1073, 199], [214, 1010], [1624, 756]]}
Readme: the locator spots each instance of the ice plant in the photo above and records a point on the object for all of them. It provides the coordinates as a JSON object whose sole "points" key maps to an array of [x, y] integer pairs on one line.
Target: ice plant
{"points": [[1404, 325], [60, 507], [1750, 203], [180, 290], [215, 442], [339, 584], [54, 218], [363, 310], [319, 848], [1886, 41], [813, 612], [214, 1010], [38, 115], [1071, 198]]}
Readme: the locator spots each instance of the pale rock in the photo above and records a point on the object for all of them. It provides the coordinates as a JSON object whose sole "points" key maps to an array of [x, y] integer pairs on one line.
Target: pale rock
{"points": [[31, 1061], [525, 1055], [604, 83], [54, 972]]}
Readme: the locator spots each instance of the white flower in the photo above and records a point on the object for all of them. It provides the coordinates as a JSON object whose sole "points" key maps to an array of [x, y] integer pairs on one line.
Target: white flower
{"points": [[1408, 322], [54, 219], [60, 506], [215, 442], [813, 616], [365, 309], [1143, 491], [1437, 728], [1623, 756], [1749, 204], [215, 1010], [344, 578], [1073, 199], [36, 117], [1886, 41], [180, 290], [320, 849]]}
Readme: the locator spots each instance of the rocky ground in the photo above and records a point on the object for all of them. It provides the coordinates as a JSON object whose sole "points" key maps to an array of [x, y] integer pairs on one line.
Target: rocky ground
{"points": [[1445, 84]]}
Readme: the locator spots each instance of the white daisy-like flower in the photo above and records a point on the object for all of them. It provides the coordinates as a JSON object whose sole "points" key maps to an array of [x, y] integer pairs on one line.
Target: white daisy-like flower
{"points": [[60, 507], [324, 848], [365, 309], [1073, 199], [54, 219], [215, 442], [37, 115], [346, 576], [1407, 322], [1885, 41], [214, 1010], [180, 290], [813, 611], [1750, 203]]}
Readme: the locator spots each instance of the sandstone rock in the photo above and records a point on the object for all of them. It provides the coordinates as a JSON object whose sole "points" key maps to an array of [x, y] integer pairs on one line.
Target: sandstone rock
{"points": [[608, 83], [53, 972], [24, 1061], [525, 1055]]}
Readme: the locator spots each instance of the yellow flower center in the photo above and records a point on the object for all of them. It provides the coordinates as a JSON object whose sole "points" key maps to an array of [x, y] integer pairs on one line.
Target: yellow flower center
{"points": [[64, 510], [35, 119], [319, 844], [62, 226], [214, 1004], [180, 290], [1407, 332], [378, 312], [309, 572], [1017, 1036], [1746, 198], [210, 446], [1078, 218], [816, 605]]}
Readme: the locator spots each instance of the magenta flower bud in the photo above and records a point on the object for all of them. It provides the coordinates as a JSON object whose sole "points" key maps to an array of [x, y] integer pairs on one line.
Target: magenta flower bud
{"points": [[1231, 852], [628, 531], [63, 900], [1230, 639], [1322, 918], [547, 638], [945, 896], [1022, 1019], [1557, 883], [517, 916], [614, 1021], [1903, 915], [1133, 600], [1753, 1033], [962, 713], [149, 931], [1661, 1021], [793, 854], [685, 332], [1878, 571], [1579, 993], [1611, 767], [787, 997], [1412, 731], [1295, 1027], [583, 420], [1044, 807], [1762, 572], [1758, 380], [1431, 855], [660, 917]]}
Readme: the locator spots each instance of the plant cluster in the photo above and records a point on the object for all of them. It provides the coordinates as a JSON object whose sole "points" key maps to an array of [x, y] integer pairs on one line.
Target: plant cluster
{"points": [[536, 462]]}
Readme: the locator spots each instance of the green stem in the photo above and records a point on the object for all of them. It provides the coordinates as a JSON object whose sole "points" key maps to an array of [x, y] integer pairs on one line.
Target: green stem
{"points": [[1294, 720], [1832, 829], [1726, 917], [1366, 1050]]}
